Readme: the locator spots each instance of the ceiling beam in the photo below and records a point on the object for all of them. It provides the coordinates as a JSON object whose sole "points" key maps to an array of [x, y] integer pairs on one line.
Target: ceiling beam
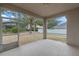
{"points": [[61, 13]]}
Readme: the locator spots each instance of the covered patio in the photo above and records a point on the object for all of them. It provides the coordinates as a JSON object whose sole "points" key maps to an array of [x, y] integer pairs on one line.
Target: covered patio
{"points": [[42, 11]]}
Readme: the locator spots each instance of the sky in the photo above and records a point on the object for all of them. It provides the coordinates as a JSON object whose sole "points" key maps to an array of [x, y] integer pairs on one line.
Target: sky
{"points": [[10, 15], [62, 19]]}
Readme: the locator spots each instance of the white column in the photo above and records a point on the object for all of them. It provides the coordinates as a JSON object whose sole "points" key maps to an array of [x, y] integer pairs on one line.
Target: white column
{"points": [[18, 26], [31, 25], [73, 28], [44, 29]]}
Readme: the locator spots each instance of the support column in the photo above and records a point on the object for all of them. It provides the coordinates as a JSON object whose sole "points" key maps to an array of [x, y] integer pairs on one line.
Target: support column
{"points": [[45, 29], [0, 28], [18, 27], [1, 46], [30, 25], [0, 33], [73, 28], [1, 40]]}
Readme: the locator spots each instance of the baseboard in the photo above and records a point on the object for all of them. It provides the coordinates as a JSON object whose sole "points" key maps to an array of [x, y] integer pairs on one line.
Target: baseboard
{"points": [[73, 45]]}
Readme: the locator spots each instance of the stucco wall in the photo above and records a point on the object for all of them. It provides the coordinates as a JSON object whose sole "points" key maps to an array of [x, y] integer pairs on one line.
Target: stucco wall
{"points": [[73, 27]]}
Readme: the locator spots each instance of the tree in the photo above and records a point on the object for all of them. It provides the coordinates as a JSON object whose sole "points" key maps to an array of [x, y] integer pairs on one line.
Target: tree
{"points": [[39, 22], [53, 22]]}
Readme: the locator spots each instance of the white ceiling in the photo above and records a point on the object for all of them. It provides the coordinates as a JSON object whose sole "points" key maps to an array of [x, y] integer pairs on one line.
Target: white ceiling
{"points": [[47, 9]]}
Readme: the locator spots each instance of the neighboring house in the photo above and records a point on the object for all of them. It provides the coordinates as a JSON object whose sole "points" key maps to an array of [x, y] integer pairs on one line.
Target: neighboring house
{"points": [[8, 24], [61, 26], [33, 26], [39, 27]]}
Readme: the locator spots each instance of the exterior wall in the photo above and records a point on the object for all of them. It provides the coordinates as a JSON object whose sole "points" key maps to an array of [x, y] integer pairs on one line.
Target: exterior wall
{"points": [[73, 28]]}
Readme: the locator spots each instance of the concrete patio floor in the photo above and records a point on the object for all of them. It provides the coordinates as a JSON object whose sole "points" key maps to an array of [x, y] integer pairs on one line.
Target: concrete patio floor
{"points": [[43, 48]]}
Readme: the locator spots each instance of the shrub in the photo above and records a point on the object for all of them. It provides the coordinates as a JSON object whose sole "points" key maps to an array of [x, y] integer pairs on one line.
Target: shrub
{"points": [[14, 30], [35, 29]]}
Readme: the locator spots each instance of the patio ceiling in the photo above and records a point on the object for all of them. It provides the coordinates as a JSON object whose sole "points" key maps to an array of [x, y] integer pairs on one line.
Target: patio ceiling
{"points": [[45, 9]]}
